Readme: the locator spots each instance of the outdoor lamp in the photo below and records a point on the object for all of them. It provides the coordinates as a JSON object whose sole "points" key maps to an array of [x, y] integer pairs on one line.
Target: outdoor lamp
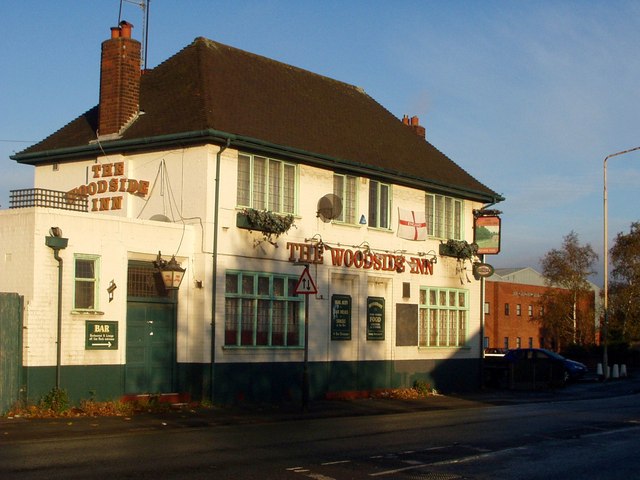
{"points": [[171, 272]]}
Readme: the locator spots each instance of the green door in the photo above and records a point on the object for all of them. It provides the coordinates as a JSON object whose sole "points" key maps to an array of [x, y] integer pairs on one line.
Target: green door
{"points": [[11, 305], [151, 347]]}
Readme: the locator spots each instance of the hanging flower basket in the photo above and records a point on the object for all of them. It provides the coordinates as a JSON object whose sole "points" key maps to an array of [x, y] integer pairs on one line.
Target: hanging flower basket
{"points": [[272, 225], [460, 249]]}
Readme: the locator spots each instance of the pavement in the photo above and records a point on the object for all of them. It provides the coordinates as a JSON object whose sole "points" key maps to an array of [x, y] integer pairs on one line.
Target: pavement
{"points": [[17, 429]]}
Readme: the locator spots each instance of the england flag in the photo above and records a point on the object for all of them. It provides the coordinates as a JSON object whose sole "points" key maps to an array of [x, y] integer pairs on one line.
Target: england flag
{"points": [[412, 225]]}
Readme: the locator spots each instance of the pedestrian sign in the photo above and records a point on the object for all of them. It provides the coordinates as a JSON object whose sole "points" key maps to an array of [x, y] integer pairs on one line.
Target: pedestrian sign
{"points": [[305, 284]]}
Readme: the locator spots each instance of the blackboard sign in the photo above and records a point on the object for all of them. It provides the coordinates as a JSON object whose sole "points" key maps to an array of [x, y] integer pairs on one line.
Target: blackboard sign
{"points": [[340, 317], [375, 318]]}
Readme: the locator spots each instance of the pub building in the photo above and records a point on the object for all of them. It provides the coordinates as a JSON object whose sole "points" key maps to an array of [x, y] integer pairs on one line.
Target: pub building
{"points": [[298, 225]]}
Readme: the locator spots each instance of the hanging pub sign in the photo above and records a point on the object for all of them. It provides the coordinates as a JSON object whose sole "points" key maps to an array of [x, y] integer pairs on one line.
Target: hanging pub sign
{"points": [[482, 270], [375, 318], [340, 317], [486, 234]]}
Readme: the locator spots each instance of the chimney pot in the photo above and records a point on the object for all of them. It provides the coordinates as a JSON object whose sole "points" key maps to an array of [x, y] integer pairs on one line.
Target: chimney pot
{"points": [[405, 120], [115, 32], [415, 121], [125, 29]]}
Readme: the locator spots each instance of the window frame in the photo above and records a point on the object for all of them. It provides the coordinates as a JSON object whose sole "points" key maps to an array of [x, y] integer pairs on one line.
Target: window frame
{"points": [[374, 218], [348, 197], [260, 303], [95, 259], [253, 184], [443, 309], [444, 216]]}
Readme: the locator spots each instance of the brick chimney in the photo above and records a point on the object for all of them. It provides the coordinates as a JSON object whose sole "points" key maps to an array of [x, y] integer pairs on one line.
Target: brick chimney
{"points": [[119, 81], [414, 123]]}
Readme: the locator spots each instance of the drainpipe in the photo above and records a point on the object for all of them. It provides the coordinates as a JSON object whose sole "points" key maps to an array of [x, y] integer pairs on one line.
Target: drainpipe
{"points": [[57, 243], [56, 255], [214, 287]]}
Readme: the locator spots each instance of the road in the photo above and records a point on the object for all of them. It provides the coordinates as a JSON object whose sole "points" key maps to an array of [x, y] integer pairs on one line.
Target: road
{"points": [[595, 439]]}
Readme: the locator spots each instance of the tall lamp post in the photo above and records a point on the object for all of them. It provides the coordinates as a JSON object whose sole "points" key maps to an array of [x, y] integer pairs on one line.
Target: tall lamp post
{"points": [[605, 359]]}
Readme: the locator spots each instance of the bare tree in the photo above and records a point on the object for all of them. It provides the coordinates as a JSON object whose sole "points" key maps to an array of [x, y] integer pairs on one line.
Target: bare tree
{"points": [[568, 268]]}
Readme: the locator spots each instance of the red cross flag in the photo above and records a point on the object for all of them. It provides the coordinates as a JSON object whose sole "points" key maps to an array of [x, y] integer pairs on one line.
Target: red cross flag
{"points": [[411, 225]]}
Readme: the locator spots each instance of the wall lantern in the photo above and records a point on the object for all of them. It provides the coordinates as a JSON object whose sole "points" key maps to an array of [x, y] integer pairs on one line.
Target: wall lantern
{"points": [[171, 272]]}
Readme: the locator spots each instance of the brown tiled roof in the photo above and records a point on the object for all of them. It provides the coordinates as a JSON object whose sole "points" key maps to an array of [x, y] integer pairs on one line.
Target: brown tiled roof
{"points": [[209, 86]]}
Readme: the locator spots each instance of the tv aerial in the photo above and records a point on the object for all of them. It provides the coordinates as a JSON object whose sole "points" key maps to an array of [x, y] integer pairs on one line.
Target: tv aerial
{"points": [[329, 207], [144, 5]]}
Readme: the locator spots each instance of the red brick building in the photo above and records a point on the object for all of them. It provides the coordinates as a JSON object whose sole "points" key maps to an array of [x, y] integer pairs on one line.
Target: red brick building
{"points": [[512, 310]]}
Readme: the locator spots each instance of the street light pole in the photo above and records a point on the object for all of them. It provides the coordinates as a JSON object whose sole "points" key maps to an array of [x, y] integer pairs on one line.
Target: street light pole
{"points": [[605, 359]]}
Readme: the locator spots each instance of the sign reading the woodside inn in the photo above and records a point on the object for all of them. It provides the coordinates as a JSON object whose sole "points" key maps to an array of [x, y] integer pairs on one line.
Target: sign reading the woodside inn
{"points": [[359, 258], [109, 178]]}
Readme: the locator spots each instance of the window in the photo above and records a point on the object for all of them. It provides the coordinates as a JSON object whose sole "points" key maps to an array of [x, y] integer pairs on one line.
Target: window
{"points": [[85, 282], [530, 310], [444, 216], [443, 317], [379, 204], [518, 342], [266, 184], [530, 342], [345, 187], [506, 309], [518, 309], [506, 343], [487, 310], [261, 310]]}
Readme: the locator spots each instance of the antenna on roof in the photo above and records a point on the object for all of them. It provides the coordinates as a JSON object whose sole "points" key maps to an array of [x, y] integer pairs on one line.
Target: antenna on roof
{"points": [[144, 5]]}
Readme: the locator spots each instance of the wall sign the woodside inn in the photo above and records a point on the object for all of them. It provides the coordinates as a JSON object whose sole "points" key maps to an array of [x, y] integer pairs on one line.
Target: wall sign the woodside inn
{"points": [[110, 179], [359, 258]]}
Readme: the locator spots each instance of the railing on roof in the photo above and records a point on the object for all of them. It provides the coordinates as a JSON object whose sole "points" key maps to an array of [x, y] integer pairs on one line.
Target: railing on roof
{"points": [[41, 197]]}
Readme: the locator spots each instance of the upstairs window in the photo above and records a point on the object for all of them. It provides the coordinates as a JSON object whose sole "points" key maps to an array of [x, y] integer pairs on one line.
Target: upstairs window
{"points": [[379, 204], [444, 216], [85, 282], [345, 187], [266, 184]]}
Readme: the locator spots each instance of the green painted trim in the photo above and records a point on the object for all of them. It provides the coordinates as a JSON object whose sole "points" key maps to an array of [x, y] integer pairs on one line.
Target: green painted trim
{"points": [[82, 382], [261, 382]]}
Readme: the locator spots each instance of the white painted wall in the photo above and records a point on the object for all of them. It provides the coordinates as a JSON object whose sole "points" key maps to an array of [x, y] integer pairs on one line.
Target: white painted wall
{"points": [[181, 187]]}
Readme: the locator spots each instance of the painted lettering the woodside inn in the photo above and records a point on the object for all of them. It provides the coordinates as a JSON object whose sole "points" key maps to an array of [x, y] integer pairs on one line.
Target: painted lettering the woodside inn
{"points": [[358, 258], [111, 179]]}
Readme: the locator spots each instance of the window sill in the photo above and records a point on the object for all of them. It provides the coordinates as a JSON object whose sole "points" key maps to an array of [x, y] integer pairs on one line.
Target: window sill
{"points": [[86, 312]]}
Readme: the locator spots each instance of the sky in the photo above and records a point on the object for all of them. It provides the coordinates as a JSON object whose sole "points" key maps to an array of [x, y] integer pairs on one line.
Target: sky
{"points": [[529, 97]]}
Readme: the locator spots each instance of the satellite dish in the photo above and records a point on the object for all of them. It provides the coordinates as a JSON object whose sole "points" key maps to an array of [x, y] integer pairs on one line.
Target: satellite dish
{"points": [[329, 207], [158, 217]]}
